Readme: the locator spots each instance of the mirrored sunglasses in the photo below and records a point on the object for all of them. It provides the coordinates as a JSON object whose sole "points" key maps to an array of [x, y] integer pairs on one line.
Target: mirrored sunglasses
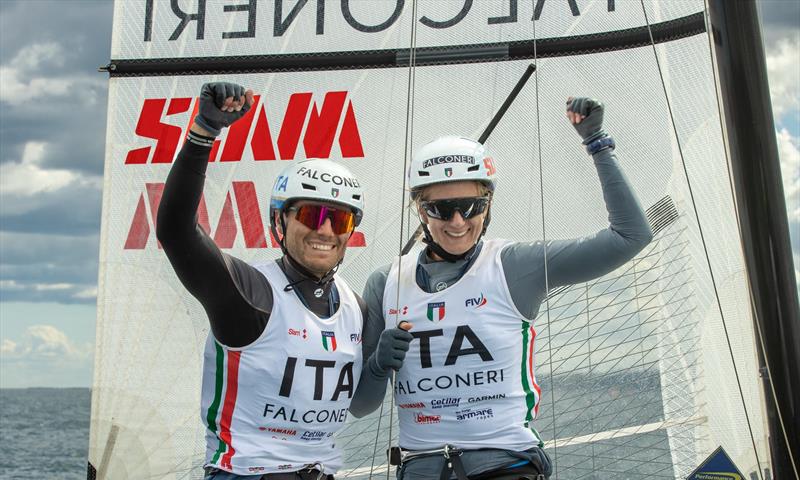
{"points": [[314, 216], [445, 209]]}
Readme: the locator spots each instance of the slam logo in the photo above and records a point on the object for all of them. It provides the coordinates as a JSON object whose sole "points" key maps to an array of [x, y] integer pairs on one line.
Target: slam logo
{"points": [[436, 311], [476, 302], [329, 341], [311, 126]]}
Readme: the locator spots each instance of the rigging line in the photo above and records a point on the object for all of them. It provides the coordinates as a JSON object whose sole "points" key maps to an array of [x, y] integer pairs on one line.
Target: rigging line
{"points": [[544, 244], [702, 239], [409, 131], [756, 319]]}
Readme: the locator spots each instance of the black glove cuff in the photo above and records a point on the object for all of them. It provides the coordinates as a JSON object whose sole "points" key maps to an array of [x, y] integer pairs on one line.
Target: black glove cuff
{"points": [[203, 123]]}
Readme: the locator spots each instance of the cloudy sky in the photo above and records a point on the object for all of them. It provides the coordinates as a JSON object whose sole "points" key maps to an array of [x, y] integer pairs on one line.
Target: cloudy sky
{"points": [[52, 133]]}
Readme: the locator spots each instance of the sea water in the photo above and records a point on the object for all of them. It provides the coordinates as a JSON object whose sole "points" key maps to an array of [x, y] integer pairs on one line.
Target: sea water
{"points": [[44, 433]]}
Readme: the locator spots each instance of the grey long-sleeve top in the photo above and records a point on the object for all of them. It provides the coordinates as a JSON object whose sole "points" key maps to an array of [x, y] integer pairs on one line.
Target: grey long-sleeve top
{"points": [[568, 262]]}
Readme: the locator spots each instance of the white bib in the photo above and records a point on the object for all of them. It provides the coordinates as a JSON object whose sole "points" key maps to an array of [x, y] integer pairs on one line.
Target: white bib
{"points": [[467, 379], [274, 405]]}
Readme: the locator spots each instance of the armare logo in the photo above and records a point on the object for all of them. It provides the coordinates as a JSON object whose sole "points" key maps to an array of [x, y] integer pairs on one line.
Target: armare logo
{"points": [[476, 302]]}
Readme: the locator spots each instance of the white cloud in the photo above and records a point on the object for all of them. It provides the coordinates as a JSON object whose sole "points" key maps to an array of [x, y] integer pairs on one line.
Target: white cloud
{"points": [[44, 287], [27, 177], [86, 293], [19, 80], [44, 343], [10, 285], [784, 76], [7, 346], [789, 152]]}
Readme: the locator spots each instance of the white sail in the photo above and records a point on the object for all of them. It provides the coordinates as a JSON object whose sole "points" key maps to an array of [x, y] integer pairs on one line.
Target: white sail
{"points": [[637, 367]]}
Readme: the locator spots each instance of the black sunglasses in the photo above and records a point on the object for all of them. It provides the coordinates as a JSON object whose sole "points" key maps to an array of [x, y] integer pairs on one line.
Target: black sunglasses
{"points": [[445, 209]]}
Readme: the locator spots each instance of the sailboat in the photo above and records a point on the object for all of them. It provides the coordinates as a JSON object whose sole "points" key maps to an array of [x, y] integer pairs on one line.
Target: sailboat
{"points": [[646, 372]]}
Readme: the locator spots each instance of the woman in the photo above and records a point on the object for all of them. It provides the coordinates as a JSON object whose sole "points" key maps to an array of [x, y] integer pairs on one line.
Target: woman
{"points": [[466, 392]]}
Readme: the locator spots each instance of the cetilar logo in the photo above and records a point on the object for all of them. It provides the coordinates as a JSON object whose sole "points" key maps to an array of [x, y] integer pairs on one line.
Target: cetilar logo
{"points": [[476, 302]]}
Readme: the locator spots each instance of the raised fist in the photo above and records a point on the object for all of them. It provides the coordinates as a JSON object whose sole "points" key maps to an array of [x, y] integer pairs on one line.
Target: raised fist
{"points": [[586, 115], [221, 104]]}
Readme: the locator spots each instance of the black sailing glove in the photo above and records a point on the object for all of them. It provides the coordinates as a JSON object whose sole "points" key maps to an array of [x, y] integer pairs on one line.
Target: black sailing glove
{"points": [[391, 351], [591, 127], [211, 115]]}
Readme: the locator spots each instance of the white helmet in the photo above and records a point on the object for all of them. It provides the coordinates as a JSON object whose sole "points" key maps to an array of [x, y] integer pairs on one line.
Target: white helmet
{"points": [[320, 180], [451, 159]]}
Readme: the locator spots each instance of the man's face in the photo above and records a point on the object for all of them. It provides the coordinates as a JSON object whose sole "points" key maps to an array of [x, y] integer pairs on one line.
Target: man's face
{"points": [[317, 250]]}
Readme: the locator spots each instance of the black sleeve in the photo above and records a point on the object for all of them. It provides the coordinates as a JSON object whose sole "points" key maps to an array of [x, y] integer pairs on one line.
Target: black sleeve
{"points": [[236, 296]]}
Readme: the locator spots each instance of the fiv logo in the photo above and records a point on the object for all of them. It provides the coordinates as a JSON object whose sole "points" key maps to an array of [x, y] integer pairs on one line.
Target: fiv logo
{"points": [[476, 302], [436, 311], [355, 337]]}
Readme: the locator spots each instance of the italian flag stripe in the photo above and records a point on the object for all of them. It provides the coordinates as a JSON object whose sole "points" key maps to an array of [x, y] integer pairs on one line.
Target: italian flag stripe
{"points": [[528, 384], [211, 415], [230, 404]]}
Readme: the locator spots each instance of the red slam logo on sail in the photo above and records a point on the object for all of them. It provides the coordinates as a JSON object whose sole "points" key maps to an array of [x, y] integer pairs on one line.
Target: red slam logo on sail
{"points": [[317, 127]]}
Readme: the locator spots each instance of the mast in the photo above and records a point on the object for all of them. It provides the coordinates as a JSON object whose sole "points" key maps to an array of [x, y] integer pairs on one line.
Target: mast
{"points": [[756, 176]]}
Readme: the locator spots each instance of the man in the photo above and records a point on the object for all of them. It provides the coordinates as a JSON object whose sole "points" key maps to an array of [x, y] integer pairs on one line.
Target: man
{"points": [[467, 394], [283, 359]]}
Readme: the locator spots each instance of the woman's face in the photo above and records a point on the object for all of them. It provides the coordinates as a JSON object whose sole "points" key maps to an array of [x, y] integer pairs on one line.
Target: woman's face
{"points": [[456, 235]]}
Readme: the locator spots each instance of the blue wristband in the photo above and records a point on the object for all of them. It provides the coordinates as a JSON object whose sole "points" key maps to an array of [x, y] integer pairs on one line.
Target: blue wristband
{"points": [[600, 144]]}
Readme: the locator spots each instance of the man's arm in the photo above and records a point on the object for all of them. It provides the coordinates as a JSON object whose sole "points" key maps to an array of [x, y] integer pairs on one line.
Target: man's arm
{"points": [[235, 296]]}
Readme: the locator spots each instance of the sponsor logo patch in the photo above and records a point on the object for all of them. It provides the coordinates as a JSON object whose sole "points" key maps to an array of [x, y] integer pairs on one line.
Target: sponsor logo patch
{"points": [[436, 311], [423, 419], [443, 159], [329, 341], [298, 333], [445, 402], [402, 311], [282, 431], [474, 414], [486, 397], [313, 436], [475, 302], [411, 405]]}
